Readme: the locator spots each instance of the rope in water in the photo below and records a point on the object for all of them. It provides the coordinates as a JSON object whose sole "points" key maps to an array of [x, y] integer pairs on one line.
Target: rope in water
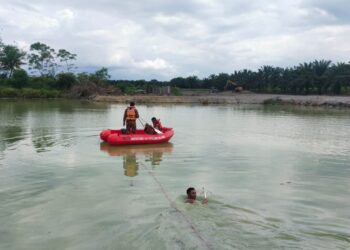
{"points": [[173, 205]]}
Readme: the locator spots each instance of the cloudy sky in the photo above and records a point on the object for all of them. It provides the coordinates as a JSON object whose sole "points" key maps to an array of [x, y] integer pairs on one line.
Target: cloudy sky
{"points": [[163, 39]]}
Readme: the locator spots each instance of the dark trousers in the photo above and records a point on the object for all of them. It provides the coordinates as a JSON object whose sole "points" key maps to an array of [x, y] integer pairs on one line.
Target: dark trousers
{"points": [[131, 126]]}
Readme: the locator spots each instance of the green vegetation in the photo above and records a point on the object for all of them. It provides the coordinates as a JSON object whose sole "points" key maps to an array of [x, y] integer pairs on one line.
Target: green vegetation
{"points": [[175, 91], [317, 77], [11, 58], [10, 92], [50, 74]]}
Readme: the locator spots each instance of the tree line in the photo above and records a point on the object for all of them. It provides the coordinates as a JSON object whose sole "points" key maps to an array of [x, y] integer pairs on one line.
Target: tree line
{"points": [[317, 77], [48, 69], [48, 73]]}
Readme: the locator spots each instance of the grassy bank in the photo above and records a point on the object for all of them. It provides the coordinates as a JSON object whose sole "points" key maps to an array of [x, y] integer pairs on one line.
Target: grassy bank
{"points": [[9, 92], [96, 94], [251, 98]]}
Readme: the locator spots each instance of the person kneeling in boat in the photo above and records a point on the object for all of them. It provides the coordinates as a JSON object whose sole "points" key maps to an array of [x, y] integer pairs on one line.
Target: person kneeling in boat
{"points": [[130, 116], [192, 196], [149, 129], [156, 124]]}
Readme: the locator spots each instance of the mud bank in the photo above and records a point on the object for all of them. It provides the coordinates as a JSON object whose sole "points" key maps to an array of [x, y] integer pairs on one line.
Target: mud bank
{"points": [[332, 101]]}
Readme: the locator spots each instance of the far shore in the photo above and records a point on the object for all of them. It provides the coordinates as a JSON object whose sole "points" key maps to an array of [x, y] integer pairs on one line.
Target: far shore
{"points": [[233, 98]]}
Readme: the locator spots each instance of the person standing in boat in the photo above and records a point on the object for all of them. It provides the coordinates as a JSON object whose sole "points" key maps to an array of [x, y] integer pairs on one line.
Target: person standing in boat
{"points": [[130, 116], [157, 124]]}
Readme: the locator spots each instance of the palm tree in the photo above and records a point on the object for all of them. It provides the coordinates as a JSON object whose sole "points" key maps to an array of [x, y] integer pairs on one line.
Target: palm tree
{"points": [[265, 73], [339, 76], [306, 76], [320, 69]]}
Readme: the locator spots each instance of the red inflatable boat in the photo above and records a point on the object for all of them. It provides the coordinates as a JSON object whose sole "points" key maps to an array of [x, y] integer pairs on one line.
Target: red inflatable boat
{"points": [[116, 137]]}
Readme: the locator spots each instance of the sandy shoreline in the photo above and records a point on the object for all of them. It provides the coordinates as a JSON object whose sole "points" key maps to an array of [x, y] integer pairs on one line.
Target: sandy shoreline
{"points": [[234, 98]]}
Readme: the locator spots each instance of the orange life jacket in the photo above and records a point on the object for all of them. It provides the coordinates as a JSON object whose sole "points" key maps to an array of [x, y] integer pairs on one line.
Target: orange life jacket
{"points": [[131, 113]]}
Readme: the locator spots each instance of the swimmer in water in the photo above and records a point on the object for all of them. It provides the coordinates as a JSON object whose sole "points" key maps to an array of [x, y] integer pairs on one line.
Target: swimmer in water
{"points": [[192, 196]]}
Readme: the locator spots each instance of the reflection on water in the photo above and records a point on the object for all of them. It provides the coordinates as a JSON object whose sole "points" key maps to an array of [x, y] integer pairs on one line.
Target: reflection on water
{"points": [[44, 141], [279, 176], [130, 165], [131, 154], [44, 123], [12, 135]]}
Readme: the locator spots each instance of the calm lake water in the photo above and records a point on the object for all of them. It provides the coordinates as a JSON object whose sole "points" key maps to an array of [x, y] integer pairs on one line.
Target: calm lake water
{"points": [[277, 177]]}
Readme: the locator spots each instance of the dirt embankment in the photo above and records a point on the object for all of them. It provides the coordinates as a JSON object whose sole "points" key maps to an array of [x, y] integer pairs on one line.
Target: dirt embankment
{"points": [[234, 98]]}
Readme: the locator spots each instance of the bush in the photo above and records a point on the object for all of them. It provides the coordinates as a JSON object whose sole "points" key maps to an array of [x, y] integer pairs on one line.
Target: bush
{"points": [[65, 80], [42, 82], [130, 90], [31, 93], [84, 89], [127, 88], [176, 91], [50, 93], [19, 79], [40, 93], [100, 77], [9, 92], [3, 81]]}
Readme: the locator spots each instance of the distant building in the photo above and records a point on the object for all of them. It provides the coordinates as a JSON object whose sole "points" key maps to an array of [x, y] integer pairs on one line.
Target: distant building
{"points": [[140, 92], [164, 90]]}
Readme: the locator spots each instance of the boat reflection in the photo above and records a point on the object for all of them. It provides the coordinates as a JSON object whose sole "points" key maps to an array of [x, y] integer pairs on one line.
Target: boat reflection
{"points": [[153, 153], [130, 165]]}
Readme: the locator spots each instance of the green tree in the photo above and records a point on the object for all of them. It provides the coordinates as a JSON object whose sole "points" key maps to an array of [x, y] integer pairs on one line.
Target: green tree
{"points": [[83, 77], [306, 77], [219, 81], [247, 78], [42, 82], [65, 80], [11, 58], [19, 79], [320, 70], [338, 78], [42, 59], [178, 82], [192, 82], [66, 57], [289, 81], [102, 74], [2, 73]]}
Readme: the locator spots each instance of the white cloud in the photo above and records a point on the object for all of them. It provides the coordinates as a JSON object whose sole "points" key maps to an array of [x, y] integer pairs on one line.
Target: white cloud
{"points": [[36, 23], [165, 39], [168, 20], [156, 64], [23, 45], [65, 14]]}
